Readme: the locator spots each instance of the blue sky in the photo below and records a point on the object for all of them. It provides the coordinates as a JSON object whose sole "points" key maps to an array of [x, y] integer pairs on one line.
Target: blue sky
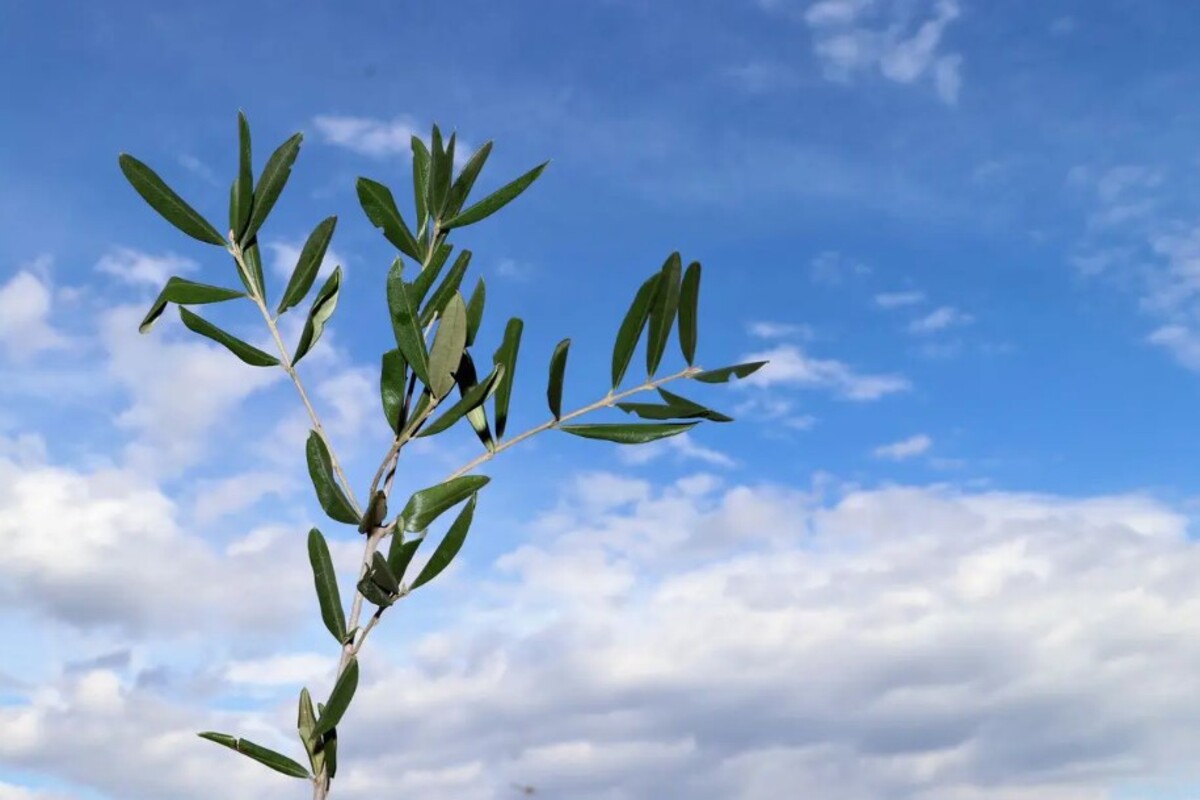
{"points": [[964, 233]]}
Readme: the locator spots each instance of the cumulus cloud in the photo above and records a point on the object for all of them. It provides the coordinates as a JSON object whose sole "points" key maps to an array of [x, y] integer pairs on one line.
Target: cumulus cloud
{"points": [[139, 268], [368, 136], [791, 366], [26, 303], [683, 447], [905, 448]]}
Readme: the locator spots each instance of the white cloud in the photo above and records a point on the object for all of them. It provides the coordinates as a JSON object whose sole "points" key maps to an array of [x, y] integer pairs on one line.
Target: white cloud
{"points": [[853, 37], [831, 268], [221, 497], [284, 256], [682, 447], [25, 308], [138, 268], [367, 136], [289, 669], [791, 366], [779, 330], [513, 270], [1182, 343], [905, 448], [940, 319], [899, 299]]}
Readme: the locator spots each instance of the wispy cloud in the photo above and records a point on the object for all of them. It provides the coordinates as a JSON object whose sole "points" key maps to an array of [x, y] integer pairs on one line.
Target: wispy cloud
{"points": [[940, 319], [791, 366], [905, 448], [140, 268], [831, 268], [368, 136], [899, 299], [779, 330]]}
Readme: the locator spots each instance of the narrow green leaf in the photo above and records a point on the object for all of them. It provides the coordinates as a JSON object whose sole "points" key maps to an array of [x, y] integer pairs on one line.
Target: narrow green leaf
{"points": [[185, 292], [723, 374], [506, 355], [308, 264], [392, 377], [634, 433], [246, 352], [269, 758], [689, 300], [169, 205], [451, 543], [406, 322], [401, 552], [558, 369], [382, 575], [330, 750], [441, 168], [475, 310], [242, 200], [428, 274], [306, 719], [252, 278], [467, 378], [270, 184], [448, 344], [471, 399], [673, 411], [631, 328], [325, 579], [373, 594], [466, 180], [446, 289], [380, 207], [495, 201], [662, 313], [426, 505], [692, 409], [324, 304], [329, 493], [339, 698], [376, 513], [421, 159]]}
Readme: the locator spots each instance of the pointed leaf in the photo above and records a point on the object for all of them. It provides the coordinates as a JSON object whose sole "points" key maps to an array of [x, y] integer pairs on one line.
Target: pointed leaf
{"points": [[421, 162], [506, 355], [441, 168], [406, 322], [382, 574], [252, 276], [475, 310], [270, 184], [380, 207], [185, 292], [373, 594], [495, 201], [330, 750], [325, 579], [448, 346], [401, 552], [242, 197], [428, 274], [451, 543], [446, 289], [633, 433], [466, 179], [691, 410], [306, 719], [426, 505], [725, 373], [631, 328], [169, 205], [308, 264], [467, 378], [471, 399], [558, 369], [339, 698], [276, 761], [392, 377], [329, 493], [324, 304], [662, 313], [246, 352], [689, 298]]}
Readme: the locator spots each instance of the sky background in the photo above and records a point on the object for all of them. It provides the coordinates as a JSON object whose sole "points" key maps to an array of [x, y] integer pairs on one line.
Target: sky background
{"points": [[945, 553]]}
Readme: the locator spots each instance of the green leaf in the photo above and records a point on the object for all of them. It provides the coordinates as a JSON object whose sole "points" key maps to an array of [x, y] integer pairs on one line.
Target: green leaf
{"points": [[270, 184], [330, 750], [241, 198], [689, 299], [441, 168], [451, 543], [401, 552], [692, 409], [662, 313], [185, 292], [475, 310], [471, 399], [306, 722], [392, 377], [723, 374], [421, 159], [253, 280], [373, 594], [376, 512], [325, 579], [448, 344], [426, 505], [633, 433], [687, 410], [631, 328], [506, 355], [406, 322], [382, 575], [169, 205], [322, 309], [308, 264], [466, 179], [246, 352], [428, 274], [276, 761], [558, 369], [339, 698], [446, 289], [380, 207], [467, 378], [329, 493], [495, 201]]}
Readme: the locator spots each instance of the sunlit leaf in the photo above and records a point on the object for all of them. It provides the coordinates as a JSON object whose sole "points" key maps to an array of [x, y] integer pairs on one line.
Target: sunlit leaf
{"points": [[448, 344], [324, 304], [461, 189], [380, 207], [406, 322], [276, 761], [392, 378], [271, 182], [495, 201], [421, 159], [471, 399], [446, 289], [426, 505], [169, 205], [330, 495]]}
